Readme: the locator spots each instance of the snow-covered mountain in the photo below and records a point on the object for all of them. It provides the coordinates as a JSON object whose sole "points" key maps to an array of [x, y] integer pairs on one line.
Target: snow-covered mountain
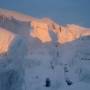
{"points": [[40, 54]]}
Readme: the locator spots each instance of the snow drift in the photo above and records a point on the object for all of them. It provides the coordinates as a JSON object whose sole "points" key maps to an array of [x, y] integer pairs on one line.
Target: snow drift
{"points": [[13, 49]]}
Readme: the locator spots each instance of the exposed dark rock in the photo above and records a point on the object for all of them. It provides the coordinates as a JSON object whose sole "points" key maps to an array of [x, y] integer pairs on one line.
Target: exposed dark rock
{"points": [[48, 82]]}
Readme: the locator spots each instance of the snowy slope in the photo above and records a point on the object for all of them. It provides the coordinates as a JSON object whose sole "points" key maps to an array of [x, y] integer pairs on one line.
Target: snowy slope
{"points": [[43, 55], [6, 38]]}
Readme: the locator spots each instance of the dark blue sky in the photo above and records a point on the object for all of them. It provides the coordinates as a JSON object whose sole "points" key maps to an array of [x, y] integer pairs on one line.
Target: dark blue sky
{"points": [[62, 11]]}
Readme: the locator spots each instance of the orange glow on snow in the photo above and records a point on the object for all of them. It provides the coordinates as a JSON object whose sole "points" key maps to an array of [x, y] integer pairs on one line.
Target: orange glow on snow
{"points": [[5, 40], [65, 34], [40, 30]]}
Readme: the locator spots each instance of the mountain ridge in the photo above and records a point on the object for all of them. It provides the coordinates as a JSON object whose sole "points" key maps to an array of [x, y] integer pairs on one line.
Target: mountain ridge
{"points": [[41, 28]]}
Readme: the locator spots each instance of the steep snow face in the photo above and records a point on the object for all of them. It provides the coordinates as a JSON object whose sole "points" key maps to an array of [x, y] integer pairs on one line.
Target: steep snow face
{"points": [[18, 48], [70, 33], [6, 38], [64, 34], [13, 49], [40, 31], [14, 25]]}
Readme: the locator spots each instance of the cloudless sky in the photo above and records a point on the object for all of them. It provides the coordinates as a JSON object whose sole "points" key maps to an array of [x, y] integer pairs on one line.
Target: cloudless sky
{"points": [[62, 11]]}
